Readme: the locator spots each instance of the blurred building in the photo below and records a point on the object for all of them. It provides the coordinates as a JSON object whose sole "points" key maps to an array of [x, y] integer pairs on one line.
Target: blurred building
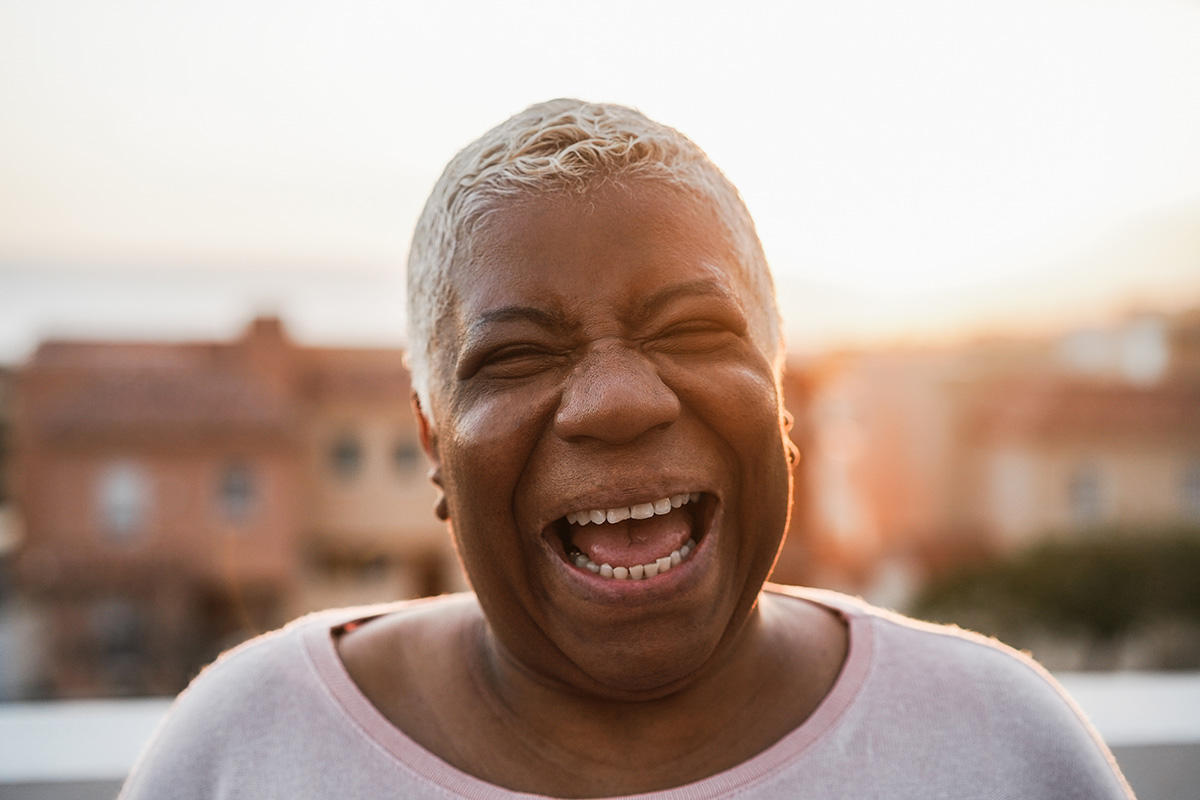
{"points": [[10, 533], [1111, 439], [8, 530], [924, 457], [1077, 456], [177, 498], [17, 665]]}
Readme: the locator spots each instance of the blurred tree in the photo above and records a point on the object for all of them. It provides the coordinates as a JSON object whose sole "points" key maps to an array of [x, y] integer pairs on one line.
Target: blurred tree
{"points": [[1101, 588]]}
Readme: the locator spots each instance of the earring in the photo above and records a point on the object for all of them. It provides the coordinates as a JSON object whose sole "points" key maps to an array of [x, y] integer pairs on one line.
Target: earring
{"points": [[793, 452]]}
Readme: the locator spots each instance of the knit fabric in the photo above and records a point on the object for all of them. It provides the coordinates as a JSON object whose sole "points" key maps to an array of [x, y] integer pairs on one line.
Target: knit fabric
{"points": [[918, 711]]}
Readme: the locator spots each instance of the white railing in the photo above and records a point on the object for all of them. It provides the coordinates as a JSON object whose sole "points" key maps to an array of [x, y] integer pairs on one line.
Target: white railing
{"points": [[99, 740], [1132, 709], [64, 741]]}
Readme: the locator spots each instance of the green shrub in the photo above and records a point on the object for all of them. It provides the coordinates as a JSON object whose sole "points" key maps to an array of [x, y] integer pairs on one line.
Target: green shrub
{"points": [[1102, 586]]}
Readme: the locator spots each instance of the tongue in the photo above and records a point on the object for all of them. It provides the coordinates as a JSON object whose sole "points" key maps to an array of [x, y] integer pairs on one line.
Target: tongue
{"points": [[634, 541]]}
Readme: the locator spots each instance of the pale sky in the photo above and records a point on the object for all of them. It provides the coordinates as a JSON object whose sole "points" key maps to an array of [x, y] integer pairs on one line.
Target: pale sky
{"points": [[916, 167]]}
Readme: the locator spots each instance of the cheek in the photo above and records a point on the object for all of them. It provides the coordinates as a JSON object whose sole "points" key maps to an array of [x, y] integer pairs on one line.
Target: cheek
{"points": [[485, 446], [484, 441], [738, 400]]}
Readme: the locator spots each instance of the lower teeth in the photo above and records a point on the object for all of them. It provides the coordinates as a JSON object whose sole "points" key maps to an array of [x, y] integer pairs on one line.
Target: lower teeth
{"points": [[638, 571]]}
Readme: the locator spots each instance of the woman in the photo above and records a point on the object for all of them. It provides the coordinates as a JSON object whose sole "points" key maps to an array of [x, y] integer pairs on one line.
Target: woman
{"points": [[595, 349]]}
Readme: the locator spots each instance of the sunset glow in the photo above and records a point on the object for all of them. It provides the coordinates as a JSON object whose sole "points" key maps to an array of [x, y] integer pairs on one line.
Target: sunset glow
{"points": [[915, 168]]}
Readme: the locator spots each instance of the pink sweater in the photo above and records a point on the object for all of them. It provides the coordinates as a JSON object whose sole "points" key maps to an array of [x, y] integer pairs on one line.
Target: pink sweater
{"points": [[918, 711]]}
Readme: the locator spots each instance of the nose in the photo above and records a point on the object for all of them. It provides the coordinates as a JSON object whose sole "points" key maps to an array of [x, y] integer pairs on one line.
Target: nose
{"points": [[614, 395]]}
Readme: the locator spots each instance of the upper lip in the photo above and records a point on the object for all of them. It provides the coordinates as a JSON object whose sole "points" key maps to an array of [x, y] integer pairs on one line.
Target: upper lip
{"points": [[618, 499]]}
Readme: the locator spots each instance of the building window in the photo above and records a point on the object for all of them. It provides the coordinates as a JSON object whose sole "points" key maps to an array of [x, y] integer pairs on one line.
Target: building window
{"points": [[119, 634], [123, 496], [236, 491], [1087, 496], [5, 457], [405, 456], [1190, 491], [346, 457], [1012, 492]]}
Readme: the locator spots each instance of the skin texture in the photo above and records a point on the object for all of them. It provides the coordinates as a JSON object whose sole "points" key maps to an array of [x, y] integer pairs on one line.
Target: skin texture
{"points": [[600, 352]]}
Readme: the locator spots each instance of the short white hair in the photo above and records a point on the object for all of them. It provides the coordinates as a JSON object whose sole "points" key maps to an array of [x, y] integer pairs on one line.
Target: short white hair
{"points": [[560, 145]]}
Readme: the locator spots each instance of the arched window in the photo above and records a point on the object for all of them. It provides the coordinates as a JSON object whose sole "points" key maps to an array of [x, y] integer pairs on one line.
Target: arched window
{"points": [[1190, 491], [123, 500], [236, 491], [405, 456], [1088, 496], [346, 457]]}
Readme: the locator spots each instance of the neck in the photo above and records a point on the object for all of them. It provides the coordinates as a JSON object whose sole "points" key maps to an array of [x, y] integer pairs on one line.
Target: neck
{"points": [[743, 700]]}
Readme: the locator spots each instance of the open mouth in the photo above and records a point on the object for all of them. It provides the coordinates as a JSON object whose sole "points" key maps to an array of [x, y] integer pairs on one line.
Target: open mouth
{"points": [[634, 542]]}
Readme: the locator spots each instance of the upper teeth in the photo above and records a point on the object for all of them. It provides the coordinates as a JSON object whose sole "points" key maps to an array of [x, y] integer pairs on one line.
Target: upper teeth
{"points": [[639, 511]]}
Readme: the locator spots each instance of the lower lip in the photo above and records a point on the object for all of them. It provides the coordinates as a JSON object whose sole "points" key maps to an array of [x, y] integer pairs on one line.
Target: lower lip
{"points": [[670, 581]]}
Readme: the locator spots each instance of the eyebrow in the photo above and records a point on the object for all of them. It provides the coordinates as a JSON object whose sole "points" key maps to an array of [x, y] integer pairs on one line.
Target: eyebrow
{"points": [[656, 302], [538, 316]]}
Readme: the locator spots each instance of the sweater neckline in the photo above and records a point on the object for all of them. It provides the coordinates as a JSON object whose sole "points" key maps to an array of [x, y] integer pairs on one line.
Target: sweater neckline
{"points": [[319, 639]]}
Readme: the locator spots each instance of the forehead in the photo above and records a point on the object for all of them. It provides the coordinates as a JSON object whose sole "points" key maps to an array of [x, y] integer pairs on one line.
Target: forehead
{"points": [[629, 236]]}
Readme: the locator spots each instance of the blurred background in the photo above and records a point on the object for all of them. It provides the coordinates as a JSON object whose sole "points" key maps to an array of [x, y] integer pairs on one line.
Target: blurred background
{"points": [[984, 222]]}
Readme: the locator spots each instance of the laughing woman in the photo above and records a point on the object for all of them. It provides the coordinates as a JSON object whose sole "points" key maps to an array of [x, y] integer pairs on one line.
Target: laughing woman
{"points": [[596, 351]]}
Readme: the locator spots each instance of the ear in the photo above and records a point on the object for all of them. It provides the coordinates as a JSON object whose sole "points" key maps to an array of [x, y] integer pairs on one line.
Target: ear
{"points": [[429, 444], [425, 430], [793, 450]]}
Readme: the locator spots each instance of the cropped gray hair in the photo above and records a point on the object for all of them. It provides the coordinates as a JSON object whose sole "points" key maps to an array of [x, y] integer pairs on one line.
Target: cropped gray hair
{"points": [[560, 145]]}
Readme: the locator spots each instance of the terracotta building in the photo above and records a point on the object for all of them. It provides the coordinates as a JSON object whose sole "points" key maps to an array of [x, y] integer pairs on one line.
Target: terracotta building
{"points": [[8, 530], [921, 457], [1075, 455], [177, 498], [15, 663], [1112, 440]]}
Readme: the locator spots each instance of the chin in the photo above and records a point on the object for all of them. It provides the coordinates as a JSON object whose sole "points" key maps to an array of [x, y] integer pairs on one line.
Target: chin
{"points": [[644, 670]]}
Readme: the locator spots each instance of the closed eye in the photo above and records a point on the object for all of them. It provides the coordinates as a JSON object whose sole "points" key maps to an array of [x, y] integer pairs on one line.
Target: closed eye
{"points": [[696, 336], [519, 361]]}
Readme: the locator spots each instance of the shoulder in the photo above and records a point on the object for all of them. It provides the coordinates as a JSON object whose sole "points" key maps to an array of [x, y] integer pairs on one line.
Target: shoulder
{"points": [[264, 669], [260, 704], [918, 648], [940, 694]]}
